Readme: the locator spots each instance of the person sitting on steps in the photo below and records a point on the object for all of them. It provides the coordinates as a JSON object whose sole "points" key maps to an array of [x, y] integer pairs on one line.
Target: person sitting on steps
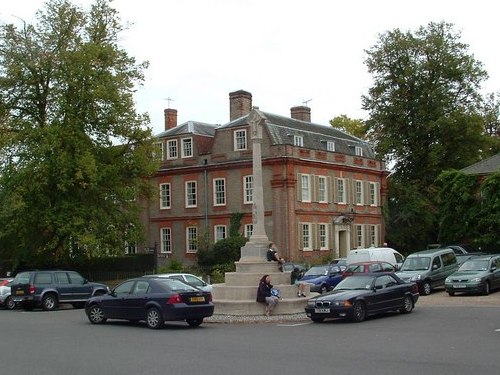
{"points": [[264, 294], [273, 256], [295, 276]]}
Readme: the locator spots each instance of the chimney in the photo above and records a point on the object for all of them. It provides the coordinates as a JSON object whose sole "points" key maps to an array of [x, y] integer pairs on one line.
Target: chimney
{"points": [[301, 113], [240, 104], [170, 118]]}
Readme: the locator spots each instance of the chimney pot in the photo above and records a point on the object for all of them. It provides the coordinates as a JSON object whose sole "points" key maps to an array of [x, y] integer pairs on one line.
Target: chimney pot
{"points": [[302, 113], [240, 104], [170, 118]]}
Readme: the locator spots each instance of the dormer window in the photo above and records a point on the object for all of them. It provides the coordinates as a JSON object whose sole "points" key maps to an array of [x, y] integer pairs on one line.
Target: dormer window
{"points": [[358, 151], [240, 140], [158, 151], [187, 147], [172, 149], [330, 146], [298, 140]]}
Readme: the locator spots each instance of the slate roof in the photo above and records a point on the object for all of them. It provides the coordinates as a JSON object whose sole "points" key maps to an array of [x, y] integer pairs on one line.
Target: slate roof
{"points": [[190, 127], [487, 166], [282, 129]]}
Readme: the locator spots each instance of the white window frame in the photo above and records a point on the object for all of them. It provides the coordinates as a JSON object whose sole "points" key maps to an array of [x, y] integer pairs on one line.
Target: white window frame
{"points": [[240, 139], [341, 191], [322, 189], [358, 192], [191, 239], [165, 196], [373, 232], [166, 240], [306, 235], [373, 191], [187, 152], [330, 146], [219, 191], [248, 189], [358, 150], [248, 230], [158, 152], [172, 149], [220, 232], [191, 195], [305, 188], [298, 140], [323, 236], [359, 236]]}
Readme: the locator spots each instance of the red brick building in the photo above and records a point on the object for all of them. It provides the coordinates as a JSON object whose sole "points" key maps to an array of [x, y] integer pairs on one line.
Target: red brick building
{"points": [[323, 189]]}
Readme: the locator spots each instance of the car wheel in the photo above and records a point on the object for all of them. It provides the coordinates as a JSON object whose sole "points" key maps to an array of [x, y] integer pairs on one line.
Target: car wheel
{"points": [[407, 305], [451, 294], [316, 319], [486, 289], [49, 302], [426, 288], [154, 319], [96, 315], [194, 322], [359, 311], [9, 303]]}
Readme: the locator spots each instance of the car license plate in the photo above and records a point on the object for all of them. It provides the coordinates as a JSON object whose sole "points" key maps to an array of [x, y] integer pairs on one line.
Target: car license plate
{"points": [[19, 292], [197, 299], [321, 311], [459, 286]]}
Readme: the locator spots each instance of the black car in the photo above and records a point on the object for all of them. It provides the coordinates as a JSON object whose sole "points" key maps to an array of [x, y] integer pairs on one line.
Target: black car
{"points": [[48, 288], [357, 297], [154, 300]]}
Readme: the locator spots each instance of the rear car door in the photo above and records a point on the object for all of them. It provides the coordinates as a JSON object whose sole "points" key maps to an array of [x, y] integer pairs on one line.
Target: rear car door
{"points": [[63, 286]]}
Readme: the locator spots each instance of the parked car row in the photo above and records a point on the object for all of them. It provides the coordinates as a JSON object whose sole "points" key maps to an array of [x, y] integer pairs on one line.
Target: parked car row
{"points": [[154, 299]]}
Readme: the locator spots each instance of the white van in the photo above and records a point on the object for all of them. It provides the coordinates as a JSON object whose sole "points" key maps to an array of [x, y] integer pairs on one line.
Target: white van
{"points": [[385, 254]]}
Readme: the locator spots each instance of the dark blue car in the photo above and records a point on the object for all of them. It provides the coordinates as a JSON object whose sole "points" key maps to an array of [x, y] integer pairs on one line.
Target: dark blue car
{"points": [[153, 300], [322, 278]]}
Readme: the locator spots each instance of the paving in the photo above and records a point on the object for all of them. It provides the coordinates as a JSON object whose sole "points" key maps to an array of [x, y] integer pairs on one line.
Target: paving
{"points": [[436, 298]]}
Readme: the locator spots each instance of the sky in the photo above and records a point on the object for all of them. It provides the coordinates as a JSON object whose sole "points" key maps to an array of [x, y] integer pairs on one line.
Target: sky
{"points": [[284, 52]]}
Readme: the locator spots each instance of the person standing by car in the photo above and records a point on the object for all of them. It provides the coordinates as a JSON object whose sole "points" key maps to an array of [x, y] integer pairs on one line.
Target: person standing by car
{"points": [[264, 294], [295, 276]]}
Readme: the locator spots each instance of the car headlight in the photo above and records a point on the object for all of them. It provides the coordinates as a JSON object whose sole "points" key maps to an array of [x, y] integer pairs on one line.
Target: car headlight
{"points": [[447, 280], [311, 303], [341, 303], [416, 277], [476, 280]]}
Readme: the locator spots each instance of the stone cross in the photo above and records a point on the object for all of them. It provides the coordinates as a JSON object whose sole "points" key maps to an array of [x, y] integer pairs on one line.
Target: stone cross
{"points": [[256, 247]]}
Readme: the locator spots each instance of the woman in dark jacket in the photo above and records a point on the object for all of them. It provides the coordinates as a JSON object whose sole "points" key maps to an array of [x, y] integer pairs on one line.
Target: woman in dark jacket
{"points": [[264, 294]]}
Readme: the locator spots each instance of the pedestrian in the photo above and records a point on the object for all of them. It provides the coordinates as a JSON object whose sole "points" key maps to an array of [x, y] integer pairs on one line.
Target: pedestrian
{"points": [[264, 294], [272, 255], [295, 277]]}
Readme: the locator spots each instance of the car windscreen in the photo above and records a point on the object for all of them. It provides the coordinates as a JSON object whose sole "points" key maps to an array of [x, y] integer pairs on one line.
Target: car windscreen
{"points": [[474, 265], [317, 271], [176, 286], [355, 282], [416, 264]]}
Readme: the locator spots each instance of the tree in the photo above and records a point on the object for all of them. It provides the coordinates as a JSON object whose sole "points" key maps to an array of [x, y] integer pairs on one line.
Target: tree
{"points": [[74, 152], [425, 102], [355, 127], [424, 117], [458, 204]]}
